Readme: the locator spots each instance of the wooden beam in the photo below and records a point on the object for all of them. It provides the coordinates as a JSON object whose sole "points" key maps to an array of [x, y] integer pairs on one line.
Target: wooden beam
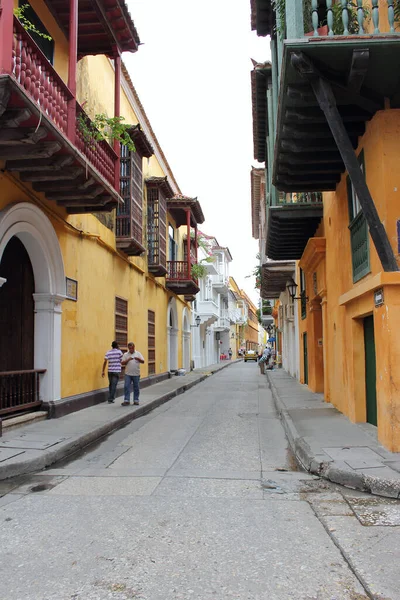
{"points": [[21, 135], [69, 184], [40, 150], [326, 99], [42, 164], [70, 196], [69, 173], [358, 69], [304, 132], [13, 117], [307, 158], [311, 115]]}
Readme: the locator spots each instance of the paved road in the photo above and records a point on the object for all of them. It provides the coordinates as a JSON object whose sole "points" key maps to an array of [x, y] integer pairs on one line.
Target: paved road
{"points": [[198, 500]]}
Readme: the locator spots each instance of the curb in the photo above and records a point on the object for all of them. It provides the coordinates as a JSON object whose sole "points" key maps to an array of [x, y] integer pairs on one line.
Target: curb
{"points": [[70, 447], [317, 464]]}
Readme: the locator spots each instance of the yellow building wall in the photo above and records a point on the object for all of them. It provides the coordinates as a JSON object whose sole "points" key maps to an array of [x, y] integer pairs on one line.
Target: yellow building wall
{"points": [[345, 304], [89, 250]]}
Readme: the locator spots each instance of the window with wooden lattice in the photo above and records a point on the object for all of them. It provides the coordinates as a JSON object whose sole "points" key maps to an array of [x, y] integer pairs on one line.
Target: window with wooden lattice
{"points": [[156, 231], [129, 223], [121, 323], [151, 341]]}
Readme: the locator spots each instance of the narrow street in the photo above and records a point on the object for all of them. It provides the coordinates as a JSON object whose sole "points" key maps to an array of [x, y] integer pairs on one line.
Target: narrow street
{"points": [[200, 499]]}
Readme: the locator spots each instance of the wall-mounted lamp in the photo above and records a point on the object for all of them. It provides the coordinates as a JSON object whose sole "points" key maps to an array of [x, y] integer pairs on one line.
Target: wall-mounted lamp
{"points": [[291, 288], [197, 321]]}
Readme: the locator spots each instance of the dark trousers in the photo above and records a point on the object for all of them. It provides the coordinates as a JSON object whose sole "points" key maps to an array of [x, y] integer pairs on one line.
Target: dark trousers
{"points": [[112, 385]]}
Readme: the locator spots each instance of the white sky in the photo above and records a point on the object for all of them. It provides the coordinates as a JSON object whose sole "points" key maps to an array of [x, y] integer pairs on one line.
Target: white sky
{"points": [[192, 74]]}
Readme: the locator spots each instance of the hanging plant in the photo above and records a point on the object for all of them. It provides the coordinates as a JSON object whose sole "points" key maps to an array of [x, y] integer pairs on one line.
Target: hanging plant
{"points": [[102, 127], [198, 270], [27, 24]]}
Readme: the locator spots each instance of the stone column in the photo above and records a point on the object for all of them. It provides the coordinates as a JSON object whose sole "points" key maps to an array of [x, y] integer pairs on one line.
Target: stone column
{"points": [[48, 343]]}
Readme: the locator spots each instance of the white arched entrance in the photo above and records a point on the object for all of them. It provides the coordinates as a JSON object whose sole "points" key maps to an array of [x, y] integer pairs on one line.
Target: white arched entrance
{"points": [[31, 226], [172, 335], [186, 340]]}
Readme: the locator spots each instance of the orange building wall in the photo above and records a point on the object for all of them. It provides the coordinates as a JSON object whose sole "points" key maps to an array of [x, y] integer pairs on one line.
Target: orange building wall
{"points": [[346, 304]]}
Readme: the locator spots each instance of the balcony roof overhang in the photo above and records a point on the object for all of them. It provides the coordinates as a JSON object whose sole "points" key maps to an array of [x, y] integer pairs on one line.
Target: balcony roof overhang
{"points": [[162, 184], [260, 79], [141, 141], [289, 229], [262, 17], [306, 155], [178, 206], [274, 277], [257, 179], [104, 26]]}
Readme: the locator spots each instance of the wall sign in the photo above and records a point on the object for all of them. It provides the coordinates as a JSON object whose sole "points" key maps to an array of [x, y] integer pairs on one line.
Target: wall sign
{"points": [[378, 297], [71, 286]]}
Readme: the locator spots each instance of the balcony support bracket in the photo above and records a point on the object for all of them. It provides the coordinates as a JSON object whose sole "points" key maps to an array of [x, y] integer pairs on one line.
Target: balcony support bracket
{"points": [[327, 102]]}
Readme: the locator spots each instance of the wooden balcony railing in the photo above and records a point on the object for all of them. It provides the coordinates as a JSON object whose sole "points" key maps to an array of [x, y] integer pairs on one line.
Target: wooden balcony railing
{"points": [[100, 154], [38, 77], [40, 80], [326, 18], [127, 227], [300, 198], [19, 390], [178, 271]]}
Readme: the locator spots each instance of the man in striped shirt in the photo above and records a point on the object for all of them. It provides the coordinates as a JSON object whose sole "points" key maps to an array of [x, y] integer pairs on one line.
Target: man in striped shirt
{"points": [[113, 357]]}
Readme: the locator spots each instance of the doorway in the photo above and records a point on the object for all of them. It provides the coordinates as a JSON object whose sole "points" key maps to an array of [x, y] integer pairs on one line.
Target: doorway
{"points": [[16, 309], [370, 371]]}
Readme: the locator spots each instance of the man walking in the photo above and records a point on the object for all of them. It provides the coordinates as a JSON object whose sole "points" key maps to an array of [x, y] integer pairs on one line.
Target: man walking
{"points": [[113, 357], [131, 360]]}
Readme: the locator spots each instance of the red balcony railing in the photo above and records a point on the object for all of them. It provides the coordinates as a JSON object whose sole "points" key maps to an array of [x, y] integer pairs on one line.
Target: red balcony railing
{"points": [[37, 76], [40, 80], [19, 390], [100, 154], [178, 271]]}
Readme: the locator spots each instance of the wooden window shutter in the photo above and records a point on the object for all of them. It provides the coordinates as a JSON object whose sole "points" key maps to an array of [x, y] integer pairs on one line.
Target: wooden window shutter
{"points": [[121, 323], [151, 341]]}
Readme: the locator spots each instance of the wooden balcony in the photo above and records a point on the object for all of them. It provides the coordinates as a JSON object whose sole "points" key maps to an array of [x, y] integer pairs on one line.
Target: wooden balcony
{"points": [[179, 279], [129, 236], [356, 52], [37, 140], [290, 225]]}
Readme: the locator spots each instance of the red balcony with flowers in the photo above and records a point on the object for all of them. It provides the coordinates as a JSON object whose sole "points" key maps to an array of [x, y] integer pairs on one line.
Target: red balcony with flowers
{"points": [[181, 277], [41, 138]]}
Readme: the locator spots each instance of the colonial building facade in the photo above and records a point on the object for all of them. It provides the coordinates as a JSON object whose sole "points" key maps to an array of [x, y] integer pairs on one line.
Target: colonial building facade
{"points": [[327, 114], [94, 233]]}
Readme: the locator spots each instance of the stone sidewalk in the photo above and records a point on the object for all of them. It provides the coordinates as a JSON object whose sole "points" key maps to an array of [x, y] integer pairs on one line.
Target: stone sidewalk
{"points": [[326, 443], [36, 446]]}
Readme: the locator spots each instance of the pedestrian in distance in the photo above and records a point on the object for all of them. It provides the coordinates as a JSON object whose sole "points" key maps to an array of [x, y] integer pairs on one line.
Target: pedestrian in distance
{"points": [[230, 353], [131, 360], [113, 358]]}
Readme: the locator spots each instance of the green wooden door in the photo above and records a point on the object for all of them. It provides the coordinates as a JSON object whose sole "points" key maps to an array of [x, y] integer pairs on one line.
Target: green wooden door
{"points": [[370, 370], [305, 355]]}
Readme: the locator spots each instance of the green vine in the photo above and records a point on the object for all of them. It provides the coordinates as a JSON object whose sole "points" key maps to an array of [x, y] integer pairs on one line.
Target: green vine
{"points": [[198, 270], [105, 128], [28, 25]]}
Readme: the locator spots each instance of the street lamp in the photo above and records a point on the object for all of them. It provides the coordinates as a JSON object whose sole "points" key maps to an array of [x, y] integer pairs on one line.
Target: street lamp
{"points": [[197, 321], [291, 288]]}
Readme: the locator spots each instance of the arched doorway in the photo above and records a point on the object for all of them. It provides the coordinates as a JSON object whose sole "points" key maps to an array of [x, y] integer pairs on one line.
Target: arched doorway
{"points": [[16, 309], [172, 335], [186, 341], [25, 225]]}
